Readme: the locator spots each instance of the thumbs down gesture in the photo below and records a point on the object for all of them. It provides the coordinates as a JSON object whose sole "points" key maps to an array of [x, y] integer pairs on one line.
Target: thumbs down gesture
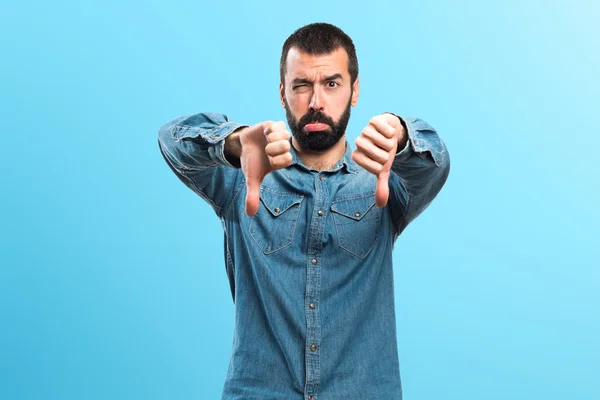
{"points": [[265, 147], [375, 150]]}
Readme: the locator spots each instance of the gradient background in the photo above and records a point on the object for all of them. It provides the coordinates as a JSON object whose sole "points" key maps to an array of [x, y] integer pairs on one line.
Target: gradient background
{"points": [[112, 281]]}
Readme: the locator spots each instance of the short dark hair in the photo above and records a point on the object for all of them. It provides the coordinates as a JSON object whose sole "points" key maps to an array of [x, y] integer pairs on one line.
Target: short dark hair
{"points": [[317, 39]]}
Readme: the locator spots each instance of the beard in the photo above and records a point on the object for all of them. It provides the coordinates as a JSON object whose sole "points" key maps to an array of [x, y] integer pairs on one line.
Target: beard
{"points": [[318, 140]]}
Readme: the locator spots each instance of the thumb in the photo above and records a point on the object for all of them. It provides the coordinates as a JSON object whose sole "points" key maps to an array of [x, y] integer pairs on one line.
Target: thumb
{"points": [[383, 190], [253, 182]]}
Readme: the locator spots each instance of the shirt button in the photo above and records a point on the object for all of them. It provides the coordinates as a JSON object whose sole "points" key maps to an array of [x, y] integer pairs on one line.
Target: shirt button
{"points": [[312, 305], [311, 398], [313, 347], [314, 261], [320, 212], [276, 209], [356, 214], [321, 177]]}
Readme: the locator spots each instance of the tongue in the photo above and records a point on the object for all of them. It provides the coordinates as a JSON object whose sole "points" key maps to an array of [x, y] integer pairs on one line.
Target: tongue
{"points": [[315, 127]]}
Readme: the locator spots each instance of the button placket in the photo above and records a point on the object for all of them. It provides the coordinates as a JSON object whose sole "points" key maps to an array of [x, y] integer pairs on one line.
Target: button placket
{"points": [[313, 283]]}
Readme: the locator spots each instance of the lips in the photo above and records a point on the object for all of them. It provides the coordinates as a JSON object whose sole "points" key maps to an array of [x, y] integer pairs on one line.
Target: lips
{"points": [[315, 127]]}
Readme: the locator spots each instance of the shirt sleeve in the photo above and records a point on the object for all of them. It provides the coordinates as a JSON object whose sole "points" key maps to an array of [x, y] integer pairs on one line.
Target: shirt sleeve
{"points": [[421, 168], [193, 147]]}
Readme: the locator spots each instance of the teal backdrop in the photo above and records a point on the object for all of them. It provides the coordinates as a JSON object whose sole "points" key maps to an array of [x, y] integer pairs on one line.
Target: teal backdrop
{"points": [[112, 281]]}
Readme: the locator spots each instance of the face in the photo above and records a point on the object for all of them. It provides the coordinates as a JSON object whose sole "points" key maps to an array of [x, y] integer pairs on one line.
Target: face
{"points": [[317, 96]]}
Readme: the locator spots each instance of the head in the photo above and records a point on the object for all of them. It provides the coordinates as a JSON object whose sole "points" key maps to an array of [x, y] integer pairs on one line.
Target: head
{"points": [[318, 84]]}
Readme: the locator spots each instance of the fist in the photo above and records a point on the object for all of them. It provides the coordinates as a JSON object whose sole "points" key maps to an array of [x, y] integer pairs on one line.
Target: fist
{"points": [[278, 145], [375, 150], [265, 148]]}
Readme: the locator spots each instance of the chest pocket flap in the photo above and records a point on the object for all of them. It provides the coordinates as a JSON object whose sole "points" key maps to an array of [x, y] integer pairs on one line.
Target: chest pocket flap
{"points": [[354, 208], [278, 203]]}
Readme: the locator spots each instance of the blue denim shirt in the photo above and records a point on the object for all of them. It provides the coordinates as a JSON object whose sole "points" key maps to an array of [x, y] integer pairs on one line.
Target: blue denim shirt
{"points": [[311, 273]]}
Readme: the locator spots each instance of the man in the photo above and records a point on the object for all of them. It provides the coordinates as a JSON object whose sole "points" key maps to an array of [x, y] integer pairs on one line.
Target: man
{"points": [[310, 226]]}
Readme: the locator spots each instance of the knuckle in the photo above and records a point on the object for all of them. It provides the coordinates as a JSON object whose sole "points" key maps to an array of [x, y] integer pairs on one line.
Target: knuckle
{"points": [[267, 127], [274, 162], [274, 151], [362, 142], [272, 137]]}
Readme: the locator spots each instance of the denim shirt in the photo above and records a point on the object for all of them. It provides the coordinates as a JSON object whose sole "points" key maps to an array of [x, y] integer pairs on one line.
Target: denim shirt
{"points": [[311, 273]]}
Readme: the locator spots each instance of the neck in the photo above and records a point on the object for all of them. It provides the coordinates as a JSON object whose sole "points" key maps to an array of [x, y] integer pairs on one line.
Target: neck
{"points": [[321, 160]]}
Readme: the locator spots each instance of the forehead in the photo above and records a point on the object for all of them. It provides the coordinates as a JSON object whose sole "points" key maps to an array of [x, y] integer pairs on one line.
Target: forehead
{"points": [[301, 64]]}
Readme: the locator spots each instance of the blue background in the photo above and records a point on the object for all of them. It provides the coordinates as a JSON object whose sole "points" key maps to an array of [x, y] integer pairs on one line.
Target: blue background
{"points": [[112, 281]]}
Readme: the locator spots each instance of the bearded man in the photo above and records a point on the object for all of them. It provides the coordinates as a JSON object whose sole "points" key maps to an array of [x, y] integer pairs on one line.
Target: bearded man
{"points": [[310, 225]]}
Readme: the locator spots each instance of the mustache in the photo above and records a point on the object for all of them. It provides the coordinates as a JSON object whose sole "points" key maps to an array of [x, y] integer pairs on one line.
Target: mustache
{"points": [[315, 116]]}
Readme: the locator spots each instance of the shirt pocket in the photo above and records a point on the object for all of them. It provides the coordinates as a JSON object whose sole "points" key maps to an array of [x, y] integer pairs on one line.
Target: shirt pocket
{"points": [[274, 225], [357, 223]]}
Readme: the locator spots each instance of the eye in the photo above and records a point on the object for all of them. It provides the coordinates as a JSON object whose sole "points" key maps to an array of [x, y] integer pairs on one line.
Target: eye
{"points": [[332, 84]]}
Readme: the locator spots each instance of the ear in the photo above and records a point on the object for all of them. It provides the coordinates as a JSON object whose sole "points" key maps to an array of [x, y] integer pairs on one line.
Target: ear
{"points": [[282, 94], [355, 92]]}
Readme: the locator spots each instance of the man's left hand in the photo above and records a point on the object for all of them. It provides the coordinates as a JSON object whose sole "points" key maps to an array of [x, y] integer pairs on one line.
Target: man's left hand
{"points": [[375, 150]]}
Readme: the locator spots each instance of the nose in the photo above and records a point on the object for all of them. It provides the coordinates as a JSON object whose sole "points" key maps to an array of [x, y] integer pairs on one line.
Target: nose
{"points": [[316, 102]]}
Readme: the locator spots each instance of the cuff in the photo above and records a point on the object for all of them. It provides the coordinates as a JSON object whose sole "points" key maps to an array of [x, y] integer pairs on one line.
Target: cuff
{"points": [[213, 136], [422, 138]]}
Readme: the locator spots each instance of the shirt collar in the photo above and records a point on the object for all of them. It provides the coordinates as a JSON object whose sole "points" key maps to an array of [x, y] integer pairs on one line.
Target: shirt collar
{"points": [[345, 161]]}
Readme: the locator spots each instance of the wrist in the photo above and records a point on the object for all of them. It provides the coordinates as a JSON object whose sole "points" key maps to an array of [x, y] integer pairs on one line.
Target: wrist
{"points": [[402, 134], [233, 148]]}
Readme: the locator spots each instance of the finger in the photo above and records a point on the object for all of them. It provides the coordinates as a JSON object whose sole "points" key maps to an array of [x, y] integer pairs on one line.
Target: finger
{"points": [[281, 160], [364, 145], [378, 139], [278, 135], [274, 127], [265, 125], [252, 197], [277, 148], [370, 165], [383, 127], [382, 191], [250, 131], [253, 182]]}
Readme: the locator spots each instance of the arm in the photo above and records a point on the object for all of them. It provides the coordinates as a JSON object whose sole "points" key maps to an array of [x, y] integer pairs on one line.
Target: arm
{"points": [[409, 178], [421, 168], [199, 150]]}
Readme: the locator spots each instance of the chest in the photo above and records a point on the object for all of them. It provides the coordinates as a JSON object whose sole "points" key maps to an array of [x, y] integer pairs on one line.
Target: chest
{"points": [[313, 210]]}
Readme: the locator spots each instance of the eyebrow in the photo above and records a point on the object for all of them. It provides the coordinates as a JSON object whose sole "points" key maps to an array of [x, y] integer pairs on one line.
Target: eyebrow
{"points": [[326, 79]]}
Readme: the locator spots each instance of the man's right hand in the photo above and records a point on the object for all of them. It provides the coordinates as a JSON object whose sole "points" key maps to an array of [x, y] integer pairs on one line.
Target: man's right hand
{"points": [[265, 147]]}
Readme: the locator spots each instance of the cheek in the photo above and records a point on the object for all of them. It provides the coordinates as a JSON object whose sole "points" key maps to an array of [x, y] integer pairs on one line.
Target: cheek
{"points": [[340, 103], [298, 103]]}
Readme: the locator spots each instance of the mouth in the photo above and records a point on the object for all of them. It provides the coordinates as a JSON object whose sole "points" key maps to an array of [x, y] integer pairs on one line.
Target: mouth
{"points": [[315, 127]]}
